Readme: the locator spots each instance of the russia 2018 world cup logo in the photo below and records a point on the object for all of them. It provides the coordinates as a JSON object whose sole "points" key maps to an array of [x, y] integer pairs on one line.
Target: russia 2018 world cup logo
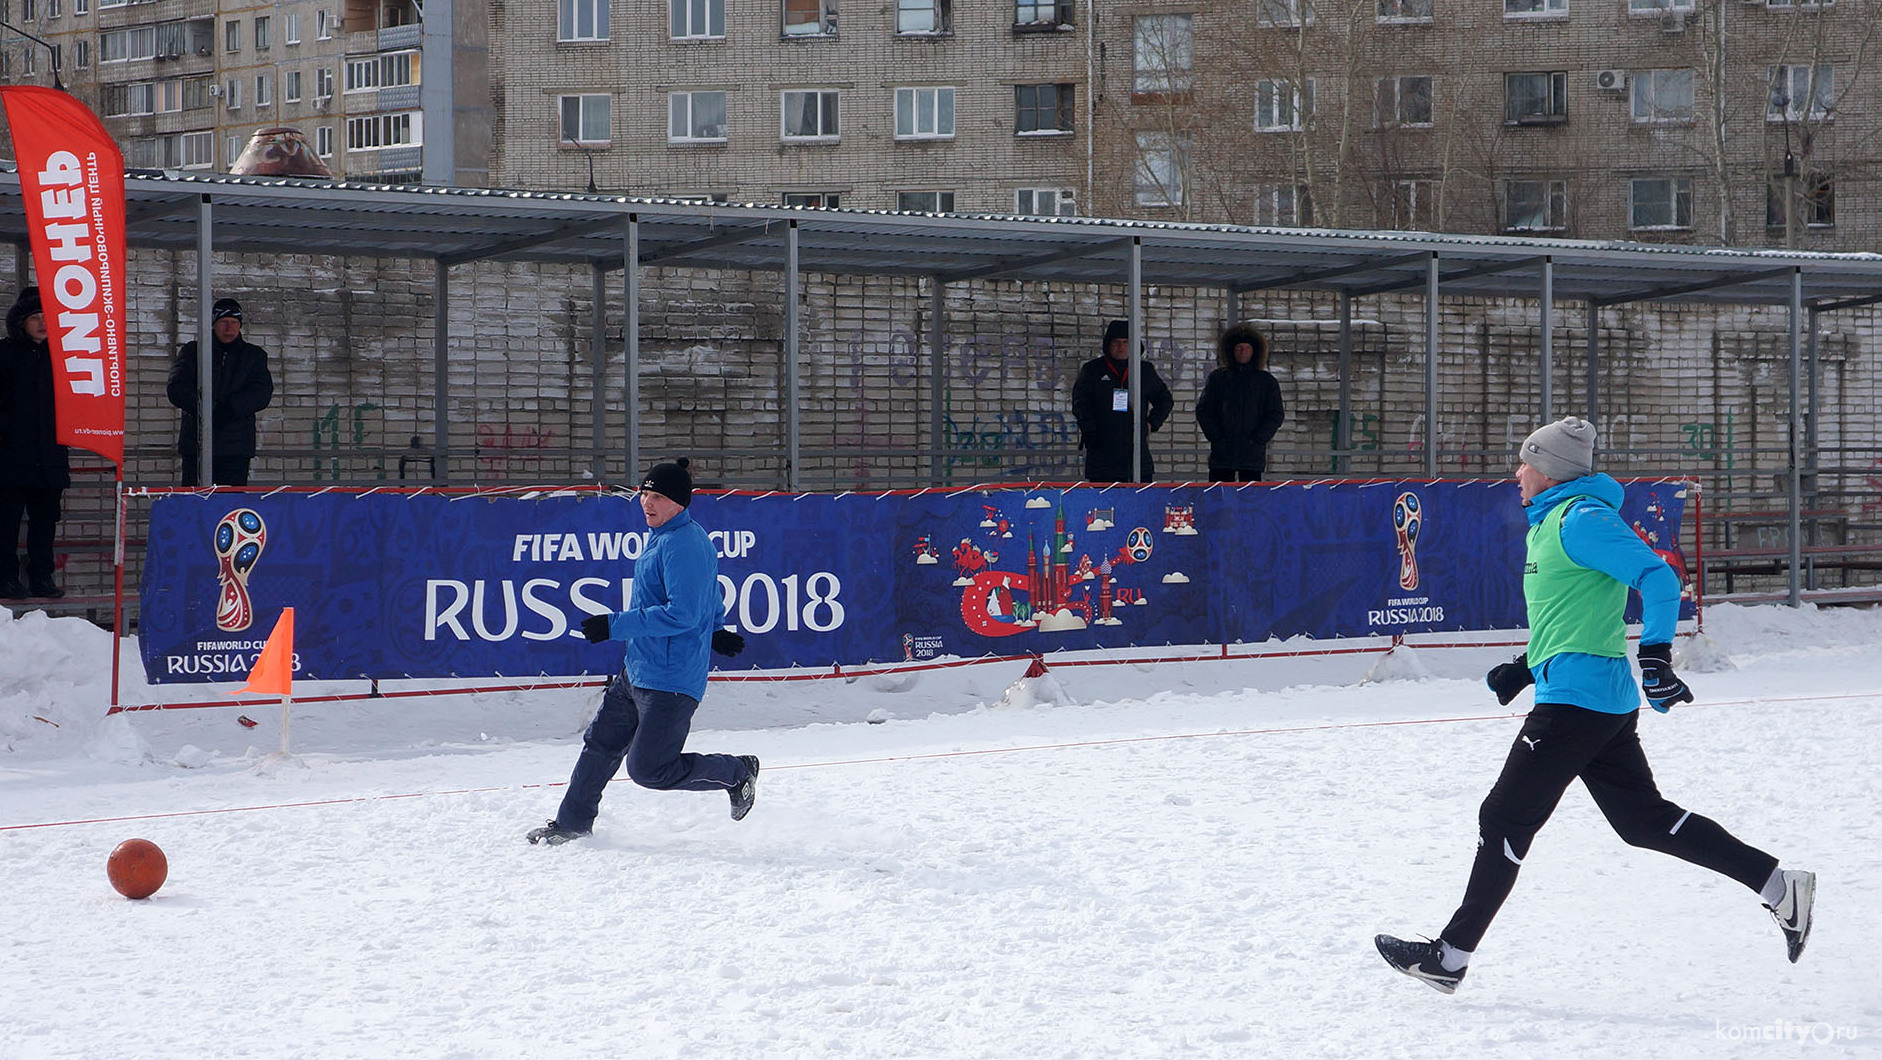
{"points": [[1407, 517], [240, 537]]}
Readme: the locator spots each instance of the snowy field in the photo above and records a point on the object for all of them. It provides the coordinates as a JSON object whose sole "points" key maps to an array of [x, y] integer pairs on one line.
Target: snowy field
{"points": [[1117, 861]]}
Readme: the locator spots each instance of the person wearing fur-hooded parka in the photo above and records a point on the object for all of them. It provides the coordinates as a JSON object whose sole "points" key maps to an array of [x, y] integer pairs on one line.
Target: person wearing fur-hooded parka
{"points": [[1240, 409]]}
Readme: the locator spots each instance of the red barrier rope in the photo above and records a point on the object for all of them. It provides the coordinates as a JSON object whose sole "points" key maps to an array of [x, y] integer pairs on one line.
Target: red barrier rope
{"points": [[930, 756]]}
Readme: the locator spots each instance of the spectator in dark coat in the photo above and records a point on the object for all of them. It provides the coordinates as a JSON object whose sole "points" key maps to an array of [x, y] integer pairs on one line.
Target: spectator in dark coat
{"points": [[243, 388], [1101, 404], [34, 469], [1240, 408]]}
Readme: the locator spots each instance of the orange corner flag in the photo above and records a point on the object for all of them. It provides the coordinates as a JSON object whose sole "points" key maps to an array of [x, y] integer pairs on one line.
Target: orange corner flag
{"points": [[273, 673]]}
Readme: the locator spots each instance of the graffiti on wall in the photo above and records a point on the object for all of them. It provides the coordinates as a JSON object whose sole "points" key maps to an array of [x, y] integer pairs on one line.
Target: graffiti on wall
{"points": [[506, 449], [327, 429], [1711, 441]]}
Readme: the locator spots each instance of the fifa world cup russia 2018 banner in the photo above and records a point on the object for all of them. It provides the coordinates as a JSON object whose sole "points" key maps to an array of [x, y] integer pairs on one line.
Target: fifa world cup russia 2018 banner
{"points": [[387, 585], [72, 183]]}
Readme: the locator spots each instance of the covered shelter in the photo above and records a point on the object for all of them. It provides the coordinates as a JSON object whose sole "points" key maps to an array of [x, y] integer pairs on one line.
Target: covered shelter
{"points": [[205, 214]]}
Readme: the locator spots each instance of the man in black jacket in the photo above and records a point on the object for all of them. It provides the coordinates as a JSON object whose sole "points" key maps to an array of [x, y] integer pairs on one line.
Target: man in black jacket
{"points": [[1240, 408], [34, 469], [1101, 404], [243, 388]]}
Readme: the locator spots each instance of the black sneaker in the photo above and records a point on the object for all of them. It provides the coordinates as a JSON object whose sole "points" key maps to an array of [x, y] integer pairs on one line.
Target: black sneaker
{"points": [[45, 589], [1423, 961], [746, 792], [12, 590], [554, 834], [1792, 912]]}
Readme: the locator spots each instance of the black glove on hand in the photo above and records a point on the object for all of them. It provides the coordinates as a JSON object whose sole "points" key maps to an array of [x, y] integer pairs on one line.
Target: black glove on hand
{"points": [[595, 628], [1510, 678], [1657, 679], [727, 643]]}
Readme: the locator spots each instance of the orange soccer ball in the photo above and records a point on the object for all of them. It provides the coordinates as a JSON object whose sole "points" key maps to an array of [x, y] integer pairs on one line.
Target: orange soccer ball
{"points": [[137, 868]]}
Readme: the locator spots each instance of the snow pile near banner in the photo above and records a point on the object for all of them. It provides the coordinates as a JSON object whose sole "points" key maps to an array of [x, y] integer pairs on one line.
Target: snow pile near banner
{"points": [[1402, 663], [1764, 632], [55, 683]]}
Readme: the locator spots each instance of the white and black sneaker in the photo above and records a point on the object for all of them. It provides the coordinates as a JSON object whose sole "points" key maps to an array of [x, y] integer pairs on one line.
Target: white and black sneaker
{"points": [[746, 792], [554, 834], [1792, 912], [1423, 961]]}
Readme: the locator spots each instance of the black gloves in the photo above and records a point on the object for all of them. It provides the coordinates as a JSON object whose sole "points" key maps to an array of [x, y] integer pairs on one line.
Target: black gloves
{"points": [[595, 628], [1510, 678], [727, 643], [1657, 679]]}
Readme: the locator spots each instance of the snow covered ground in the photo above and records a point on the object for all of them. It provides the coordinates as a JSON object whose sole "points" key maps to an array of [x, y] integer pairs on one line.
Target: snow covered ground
{"points": [[1117, 861]]}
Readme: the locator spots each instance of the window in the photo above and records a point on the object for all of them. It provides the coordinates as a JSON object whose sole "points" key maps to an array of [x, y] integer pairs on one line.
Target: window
{"points": [[54, 8], [81, 54], [1535, 99], [263, 32], [81, 7], [196, 95], [1815, 205], [232, 36], [585, 119], [1159, 170], [1657, 7], [809, 18], [923, 16], [810, 115], [1044, 14], [582, 20], [924, 201], [1045, 202], [233, 94], [1413, 205], [1662, 95], [323, 82], [1284, 205], [323, 141], [29, 61], [323, 25], [1405, 102], [232, 148], [29, 10], [696, 116], [1660, 202], [1281, 107], [1535, 205], [1804, 4], [924, 113], [384, 130], [1520, 8], [1162, 53], [1283, 12], [695, 19], [291, 86], [194, 150], [385, 70], [1043, 109], [1802, 93], [828, 199], [290, 29], [264, 90], [1404, 10]]}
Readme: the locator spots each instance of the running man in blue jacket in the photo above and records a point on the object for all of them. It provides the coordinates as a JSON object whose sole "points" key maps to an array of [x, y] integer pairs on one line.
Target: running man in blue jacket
{"points": [[1582, 560], [674, 616]]}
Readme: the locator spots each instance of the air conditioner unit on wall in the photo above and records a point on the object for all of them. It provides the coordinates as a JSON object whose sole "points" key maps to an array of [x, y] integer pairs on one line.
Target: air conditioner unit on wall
{"points": [[215, 90], [1610, 80]]}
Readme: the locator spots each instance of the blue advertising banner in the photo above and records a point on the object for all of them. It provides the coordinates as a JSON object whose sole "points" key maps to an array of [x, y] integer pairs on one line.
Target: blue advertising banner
{"points": [[389, 585]]}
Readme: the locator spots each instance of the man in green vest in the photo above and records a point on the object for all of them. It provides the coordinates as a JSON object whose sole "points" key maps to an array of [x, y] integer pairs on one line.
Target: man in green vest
{"points": [[1582, 560]]}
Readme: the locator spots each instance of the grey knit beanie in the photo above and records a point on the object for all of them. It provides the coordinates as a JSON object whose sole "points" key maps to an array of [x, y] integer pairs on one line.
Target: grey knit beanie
{"points": [[1563, 450]]}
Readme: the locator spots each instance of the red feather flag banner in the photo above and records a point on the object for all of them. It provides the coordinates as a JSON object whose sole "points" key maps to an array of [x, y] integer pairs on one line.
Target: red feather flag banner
{"points": [[72, 183]]}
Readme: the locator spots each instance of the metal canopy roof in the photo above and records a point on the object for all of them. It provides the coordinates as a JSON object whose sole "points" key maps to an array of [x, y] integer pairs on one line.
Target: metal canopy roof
{"points": [[457, 225]]}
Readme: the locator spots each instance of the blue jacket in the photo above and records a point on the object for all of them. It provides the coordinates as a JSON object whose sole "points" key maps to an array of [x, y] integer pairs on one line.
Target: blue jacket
{"points": [[672, 611], [1595, 536]]}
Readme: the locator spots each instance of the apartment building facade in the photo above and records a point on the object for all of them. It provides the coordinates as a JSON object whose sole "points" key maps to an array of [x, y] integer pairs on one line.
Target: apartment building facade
{"points": [[184, 84], [912, 104], [1650, 120], [1656, 120]]}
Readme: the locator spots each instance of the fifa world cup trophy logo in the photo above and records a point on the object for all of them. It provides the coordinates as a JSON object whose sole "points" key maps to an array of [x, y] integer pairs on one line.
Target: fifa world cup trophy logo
{"points": [[239, 540], [1407, 517]]}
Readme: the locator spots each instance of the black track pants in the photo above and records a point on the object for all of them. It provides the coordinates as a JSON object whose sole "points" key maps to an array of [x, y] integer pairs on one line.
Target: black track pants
{"points": [[1557, 744]]}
